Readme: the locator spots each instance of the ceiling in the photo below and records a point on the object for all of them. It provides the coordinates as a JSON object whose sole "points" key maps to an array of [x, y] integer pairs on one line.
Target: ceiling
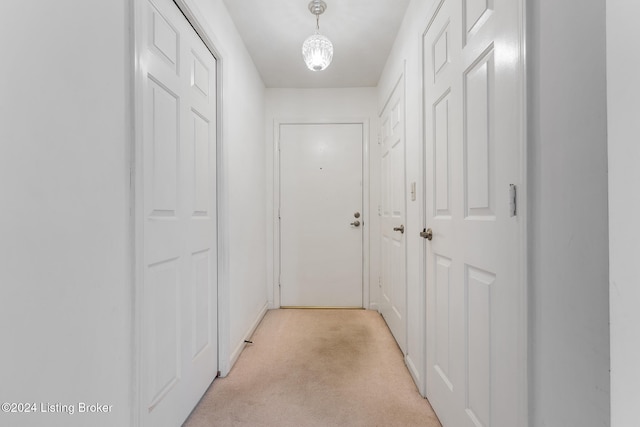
{"points": [[362, 33]]}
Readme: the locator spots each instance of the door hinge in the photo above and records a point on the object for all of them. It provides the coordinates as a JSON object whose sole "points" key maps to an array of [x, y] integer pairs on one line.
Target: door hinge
{"points": [[379, 139], [513, 200], [379, 281]]}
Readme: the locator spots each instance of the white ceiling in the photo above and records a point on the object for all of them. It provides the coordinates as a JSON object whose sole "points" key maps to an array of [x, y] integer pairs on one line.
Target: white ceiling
{"points": [[362, 33]]}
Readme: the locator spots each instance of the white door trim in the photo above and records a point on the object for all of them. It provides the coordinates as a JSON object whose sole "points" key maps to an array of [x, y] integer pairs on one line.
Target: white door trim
{"points": [[522, 207], [366, 212], [193, 15], [523, 210]]}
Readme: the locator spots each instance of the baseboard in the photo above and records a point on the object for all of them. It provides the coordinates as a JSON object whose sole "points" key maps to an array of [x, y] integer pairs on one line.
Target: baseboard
{"points": [[414, 374], [374, 306], [238, 350]]}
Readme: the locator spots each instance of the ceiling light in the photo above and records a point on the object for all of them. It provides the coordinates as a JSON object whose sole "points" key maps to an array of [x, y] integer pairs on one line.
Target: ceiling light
{"points": [[317, 50]]}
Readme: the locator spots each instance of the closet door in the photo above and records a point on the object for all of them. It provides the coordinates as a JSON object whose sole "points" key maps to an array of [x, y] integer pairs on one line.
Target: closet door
{"points": [[177, 162]]}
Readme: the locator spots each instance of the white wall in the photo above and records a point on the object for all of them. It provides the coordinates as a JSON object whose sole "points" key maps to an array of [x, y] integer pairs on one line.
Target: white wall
{"points": [[407, 55], [65, 271], [322, 104], [623, 86], [569, 366], [243, 287]]}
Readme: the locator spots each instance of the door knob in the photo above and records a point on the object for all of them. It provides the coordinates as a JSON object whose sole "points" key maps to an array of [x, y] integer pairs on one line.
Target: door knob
{"points": [[356, 215], [400, 229], [427, 234], [356, 223]]}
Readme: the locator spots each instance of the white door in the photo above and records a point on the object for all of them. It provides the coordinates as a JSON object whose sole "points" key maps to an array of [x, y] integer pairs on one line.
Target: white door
{"points": [[177, 86], [393, 303], [473, 140], [321, 215]]}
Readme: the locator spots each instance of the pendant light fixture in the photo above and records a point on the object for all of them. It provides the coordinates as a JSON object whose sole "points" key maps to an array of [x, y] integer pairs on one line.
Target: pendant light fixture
{"points": [[317, 50]]}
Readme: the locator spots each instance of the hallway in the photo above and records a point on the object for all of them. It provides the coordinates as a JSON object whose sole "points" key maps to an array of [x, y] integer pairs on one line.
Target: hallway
{"points": [[143, 172], [317, 368]]}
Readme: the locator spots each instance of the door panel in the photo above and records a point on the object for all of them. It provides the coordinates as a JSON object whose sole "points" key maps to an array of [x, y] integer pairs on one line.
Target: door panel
{"points": [[442, 190], [320, 194], [163, 342], [476, 13], [478, 156], [178, 164], [393, 304], [473, 138], [478, 342], [442, 340]]}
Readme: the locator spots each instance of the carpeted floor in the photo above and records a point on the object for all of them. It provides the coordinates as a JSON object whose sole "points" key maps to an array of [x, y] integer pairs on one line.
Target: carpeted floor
{"points": [[317, 368]]}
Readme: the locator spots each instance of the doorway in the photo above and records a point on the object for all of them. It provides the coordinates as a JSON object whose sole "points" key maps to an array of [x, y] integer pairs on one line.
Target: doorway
{"points": [[321, 219]]}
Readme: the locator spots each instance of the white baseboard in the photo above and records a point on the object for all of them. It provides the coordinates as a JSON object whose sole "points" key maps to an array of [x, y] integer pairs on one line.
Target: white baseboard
{"points": [[240, 346]]}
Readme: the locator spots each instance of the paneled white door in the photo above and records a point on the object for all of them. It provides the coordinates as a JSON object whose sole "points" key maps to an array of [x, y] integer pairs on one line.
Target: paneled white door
{"points": [[321, 219], [393, 303], [473, 88], [177, 86]]}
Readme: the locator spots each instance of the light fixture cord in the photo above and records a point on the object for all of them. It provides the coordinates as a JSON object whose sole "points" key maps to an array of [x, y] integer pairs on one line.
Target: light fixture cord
{"points": [[317, 22]]}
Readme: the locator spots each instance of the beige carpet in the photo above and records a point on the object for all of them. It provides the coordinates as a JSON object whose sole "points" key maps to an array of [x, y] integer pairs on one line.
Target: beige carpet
{"points": [[317, 368]]}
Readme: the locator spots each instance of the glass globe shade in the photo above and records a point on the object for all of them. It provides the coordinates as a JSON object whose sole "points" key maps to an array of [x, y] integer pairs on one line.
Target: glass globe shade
{"points": [[317, 51]]}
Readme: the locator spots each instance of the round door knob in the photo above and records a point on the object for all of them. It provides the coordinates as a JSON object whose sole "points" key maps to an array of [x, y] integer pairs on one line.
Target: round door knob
{"points": [[427, 234], [400, 229], [356, 223], [356, 215]]}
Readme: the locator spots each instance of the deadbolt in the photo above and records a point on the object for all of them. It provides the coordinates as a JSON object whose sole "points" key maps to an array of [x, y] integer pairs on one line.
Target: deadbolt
{"points": [[356, 215], [356, 223], [427, 234], [400, 229]]}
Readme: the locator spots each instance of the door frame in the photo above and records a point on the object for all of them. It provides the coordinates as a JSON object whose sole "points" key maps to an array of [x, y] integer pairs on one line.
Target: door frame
{"points": [[204, 32], [366, 212], [521, 203]]}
